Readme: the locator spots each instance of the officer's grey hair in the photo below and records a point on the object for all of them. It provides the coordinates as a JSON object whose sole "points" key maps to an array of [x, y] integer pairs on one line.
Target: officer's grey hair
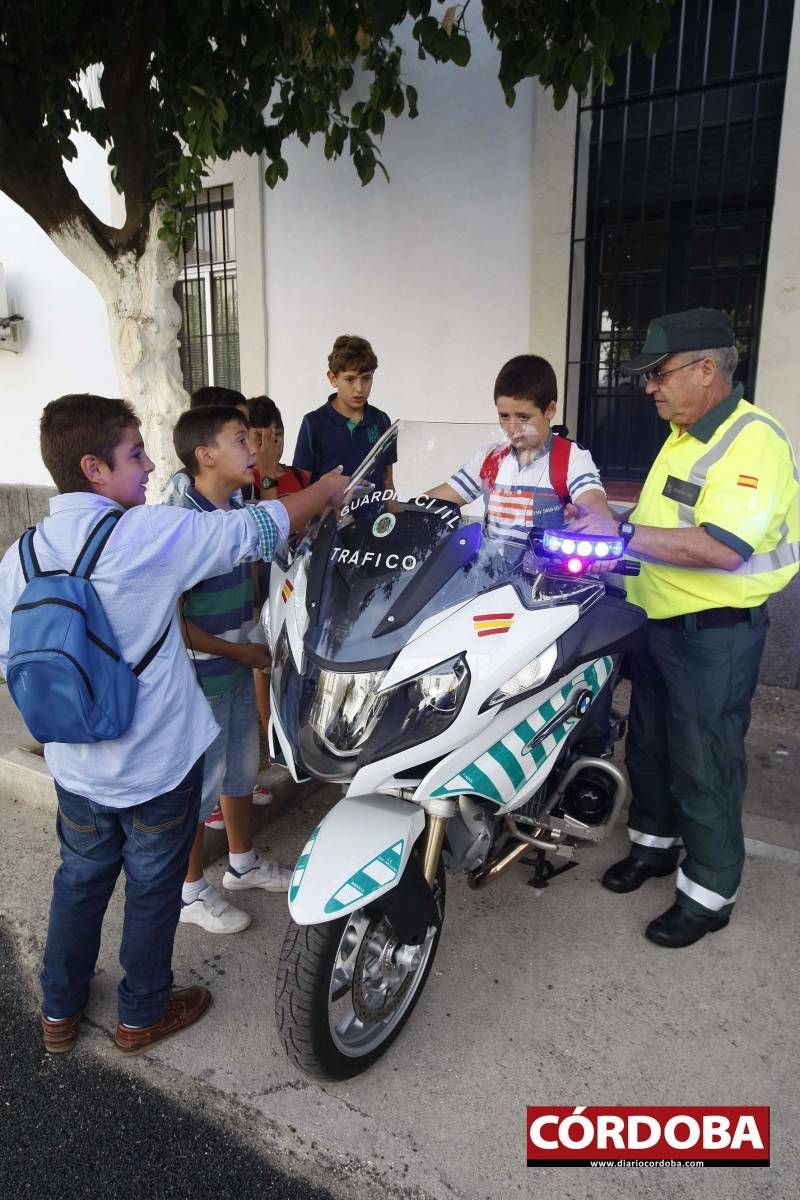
{"points": [[726, 358]]}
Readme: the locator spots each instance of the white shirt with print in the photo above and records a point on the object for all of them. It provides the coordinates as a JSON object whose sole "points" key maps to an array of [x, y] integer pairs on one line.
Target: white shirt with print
{"points": [[522, 496]]}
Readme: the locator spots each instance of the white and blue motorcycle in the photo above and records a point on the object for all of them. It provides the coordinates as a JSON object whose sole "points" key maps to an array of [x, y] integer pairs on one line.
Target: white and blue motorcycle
{"points": [[451, 685]]}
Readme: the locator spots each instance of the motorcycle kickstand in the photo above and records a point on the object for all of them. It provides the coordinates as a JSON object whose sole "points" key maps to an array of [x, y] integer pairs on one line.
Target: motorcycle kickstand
{"points": [[543, 869]]}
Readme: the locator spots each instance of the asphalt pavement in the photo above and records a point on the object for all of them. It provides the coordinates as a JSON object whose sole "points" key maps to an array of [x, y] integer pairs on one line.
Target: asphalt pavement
{"points": [[75, 1126]]}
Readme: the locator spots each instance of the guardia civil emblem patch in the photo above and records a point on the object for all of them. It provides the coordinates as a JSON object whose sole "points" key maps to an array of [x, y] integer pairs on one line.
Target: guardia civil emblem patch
{"points": [[384, 524]]}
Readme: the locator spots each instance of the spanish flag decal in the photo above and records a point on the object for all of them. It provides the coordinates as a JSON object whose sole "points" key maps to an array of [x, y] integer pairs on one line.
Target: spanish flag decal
{"points": [[488, 623], [750, 481], [287, 590]]}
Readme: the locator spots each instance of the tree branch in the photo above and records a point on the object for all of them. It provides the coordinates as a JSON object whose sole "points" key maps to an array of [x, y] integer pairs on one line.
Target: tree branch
{"points": [[125, 87], [32, 169]]}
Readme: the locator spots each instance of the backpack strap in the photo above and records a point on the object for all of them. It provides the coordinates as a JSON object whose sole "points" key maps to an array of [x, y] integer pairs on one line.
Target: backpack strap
{"points": [[491, 465], [559, 466], [299, 476], [27, 555], [94, 545], [152, 652]]}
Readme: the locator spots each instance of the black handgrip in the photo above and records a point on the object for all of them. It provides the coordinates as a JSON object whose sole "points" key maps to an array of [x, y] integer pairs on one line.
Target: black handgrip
{"points": [[626, 566]]}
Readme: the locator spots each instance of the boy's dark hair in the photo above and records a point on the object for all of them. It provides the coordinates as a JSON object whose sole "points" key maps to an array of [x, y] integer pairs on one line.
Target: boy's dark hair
{"points": [[199, 427], [351, 353], [208, 397], [263, 412], [80, 424], [528, 377]]}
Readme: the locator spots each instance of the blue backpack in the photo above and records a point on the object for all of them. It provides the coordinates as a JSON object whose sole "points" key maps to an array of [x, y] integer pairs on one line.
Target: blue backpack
{"points": [[65, 673]]}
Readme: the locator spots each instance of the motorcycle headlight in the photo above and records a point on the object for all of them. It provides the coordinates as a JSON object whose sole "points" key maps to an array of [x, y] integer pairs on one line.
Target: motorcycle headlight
{"points": [[351, 718], [526, 679], [345, 709], [441, 688]]}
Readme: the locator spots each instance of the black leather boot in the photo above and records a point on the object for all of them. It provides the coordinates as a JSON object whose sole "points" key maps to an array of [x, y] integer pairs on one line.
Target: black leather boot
{"points": [[631, 873], [680, 926]]}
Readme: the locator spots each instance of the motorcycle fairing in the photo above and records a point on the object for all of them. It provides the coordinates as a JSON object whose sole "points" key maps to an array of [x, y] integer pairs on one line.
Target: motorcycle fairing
{"points": [[491, 661], [337, 872], [510, 770], [281, 747]]}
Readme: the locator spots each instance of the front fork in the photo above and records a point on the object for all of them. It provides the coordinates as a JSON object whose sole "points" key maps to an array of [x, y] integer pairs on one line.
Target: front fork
{"points": [[437, 814]]}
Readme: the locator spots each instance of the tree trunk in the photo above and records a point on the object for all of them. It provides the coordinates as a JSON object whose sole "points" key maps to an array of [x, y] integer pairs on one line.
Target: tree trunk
{"points": [[144, 319]]}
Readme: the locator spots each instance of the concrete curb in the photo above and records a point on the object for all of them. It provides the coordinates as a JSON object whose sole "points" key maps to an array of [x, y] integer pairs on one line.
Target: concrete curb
{"points": [[25, 779]]}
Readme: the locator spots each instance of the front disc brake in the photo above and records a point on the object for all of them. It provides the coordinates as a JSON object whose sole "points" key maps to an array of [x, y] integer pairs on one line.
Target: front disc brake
{"points": [[375, 975]]}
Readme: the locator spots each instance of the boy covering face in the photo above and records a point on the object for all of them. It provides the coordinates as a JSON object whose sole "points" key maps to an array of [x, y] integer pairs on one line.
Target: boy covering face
{"points": [[528, 479]]}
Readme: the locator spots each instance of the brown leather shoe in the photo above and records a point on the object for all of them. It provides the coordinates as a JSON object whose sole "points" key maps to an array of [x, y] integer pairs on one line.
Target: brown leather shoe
{"points": [[186, 1005], [60, 1036]]}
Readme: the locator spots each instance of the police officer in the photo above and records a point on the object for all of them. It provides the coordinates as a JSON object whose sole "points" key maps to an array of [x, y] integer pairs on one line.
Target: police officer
{"points": [[717, 531]]}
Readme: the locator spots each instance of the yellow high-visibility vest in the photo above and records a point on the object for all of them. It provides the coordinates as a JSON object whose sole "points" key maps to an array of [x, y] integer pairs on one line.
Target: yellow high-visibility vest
{"points": [[735, 474]]}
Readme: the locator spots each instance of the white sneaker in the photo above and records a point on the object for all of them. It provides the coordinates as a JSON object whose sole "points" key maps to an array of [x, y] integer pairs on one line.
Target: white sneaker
{"points": [[213, 912], [261, 795], [265, 874]]}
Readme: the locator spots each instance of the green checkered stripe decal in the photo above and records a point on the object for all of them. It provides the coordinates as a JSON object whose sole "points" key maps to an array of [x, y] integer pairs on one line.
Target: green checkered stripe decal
{"points": [[377, 873], [505, 768], [302, 863]]}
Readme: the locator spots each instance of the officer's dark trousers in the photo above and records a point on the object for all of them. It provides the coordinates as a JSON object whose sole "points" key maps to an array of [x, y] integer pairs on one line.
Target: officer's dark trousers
{"points": [[690, 709]]}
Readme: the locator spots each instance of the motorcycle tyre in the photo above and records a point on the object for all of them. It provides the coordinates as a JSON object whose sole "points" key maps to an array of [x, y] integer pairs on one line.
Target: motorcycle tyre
{"points": [[302, 989]]}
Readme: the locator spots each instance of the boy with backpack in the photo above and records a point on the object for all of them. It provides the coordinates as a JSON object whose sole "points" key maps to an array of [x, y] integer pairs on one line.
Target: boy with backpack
{"points": [[126, 756], [530, 478]]}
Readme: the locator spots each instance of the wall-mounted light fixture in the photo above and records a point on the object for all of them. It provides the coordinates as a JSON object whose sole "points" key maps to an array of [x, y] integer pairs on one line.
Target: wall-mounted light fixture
{"points": [[10, 333]]}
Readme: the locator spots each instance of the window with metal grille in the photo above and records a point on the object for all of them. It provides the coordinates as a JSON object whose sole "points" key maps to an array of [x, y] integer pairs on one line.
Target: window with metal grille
{"points": [[676, 168], [206, 293]]}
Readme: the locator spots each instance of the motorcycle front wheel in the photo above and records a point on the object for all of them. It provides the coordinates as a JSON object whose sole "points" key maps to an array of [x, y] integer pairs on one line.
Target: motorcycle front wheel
{"points": [[346, 988]]}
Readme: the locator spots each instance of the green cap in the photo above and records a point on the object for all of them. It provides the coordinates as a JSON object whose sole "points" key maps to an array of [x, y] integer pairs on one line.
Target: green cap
{"points": [[695, 329]]}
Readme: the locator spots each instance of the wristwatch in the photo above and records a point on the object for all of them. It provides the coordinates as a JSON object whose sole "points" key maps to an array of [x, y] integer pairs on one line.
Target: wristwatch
{"points": [[626, 530], [268, 482]]}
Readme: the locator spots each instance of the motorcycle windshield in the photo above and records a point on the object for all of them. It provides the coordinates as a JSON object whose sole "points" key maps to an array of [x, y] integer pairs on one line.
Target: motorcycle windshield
{"points": [[395, 559]]}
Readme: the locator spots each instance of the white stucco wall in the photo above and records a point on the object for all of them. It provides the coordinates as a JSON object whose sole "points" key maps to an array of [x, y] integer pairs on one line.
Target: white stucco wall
{"points": [[778, 381], [65, 342], [434, 267]]}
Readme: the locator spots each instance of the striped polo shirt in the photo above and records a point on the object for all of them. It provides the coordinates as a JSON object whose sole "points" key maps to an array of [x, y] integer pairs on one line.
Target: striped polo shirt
{"points": [[222, 606]]}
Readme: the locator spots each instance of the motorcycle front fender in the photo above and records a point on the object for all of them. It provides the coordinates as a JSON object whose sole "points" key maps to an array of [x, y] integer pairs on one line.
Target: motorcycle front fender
{"points": [[356, 854]]}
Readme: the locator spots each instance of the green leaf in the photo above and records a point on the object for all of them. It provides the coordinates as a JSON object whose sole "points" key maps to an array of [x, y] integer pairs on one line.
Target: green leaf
{"points": [[386, 13], [580, 71], [460, 50]]}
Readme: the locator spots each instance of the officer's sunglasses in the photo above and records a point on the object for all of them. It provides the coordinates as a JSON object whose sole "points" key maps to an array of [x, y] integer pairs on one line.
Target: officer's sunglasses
{"points": [[658, 376]]}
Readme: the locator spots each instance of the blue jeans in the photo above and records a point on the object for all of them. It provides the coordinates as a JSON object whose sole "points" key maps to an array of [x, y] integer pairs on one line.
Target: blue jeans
{"points": [[151, 841]]}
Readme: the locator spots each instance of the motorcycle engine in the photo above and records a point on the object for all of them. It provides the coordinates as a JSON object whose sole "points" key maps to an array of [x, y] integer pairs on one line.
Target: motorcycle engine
{"points": [[470, 832]]}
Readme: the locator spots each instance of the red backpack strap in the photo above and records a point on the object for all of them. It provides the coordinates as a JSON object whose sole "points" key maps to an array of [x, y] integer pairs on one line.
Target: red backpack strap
{"points": [[559, 466], [491, 465]]}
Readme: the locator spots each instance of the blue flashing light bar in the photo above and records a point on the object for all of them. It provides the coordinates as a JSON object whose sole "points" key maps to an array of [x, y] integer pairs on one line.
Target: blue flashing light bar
{"points": [[583, 546]]}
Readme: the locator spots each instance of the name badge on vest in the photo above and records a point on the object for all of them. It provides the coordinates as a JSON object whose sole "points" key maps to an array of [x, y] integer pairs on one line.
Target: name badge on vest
{"points": [[681, 490]]}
